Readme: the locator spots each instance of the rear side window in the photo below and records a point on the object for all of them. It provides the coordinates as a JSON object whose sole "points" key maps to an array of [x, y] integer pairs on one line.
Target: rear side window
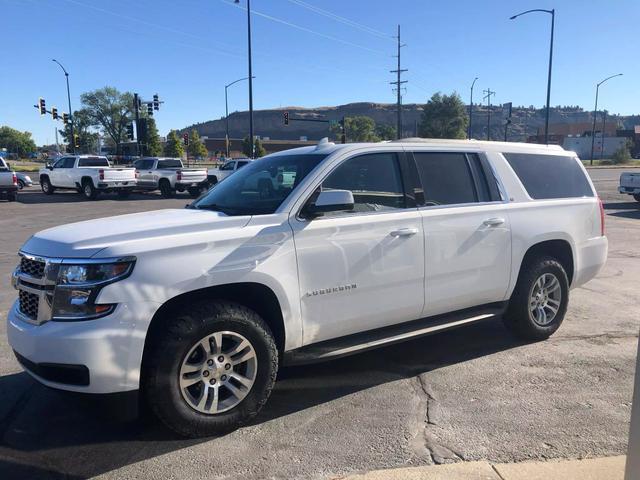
{"points": [[550, 176], [169, 164], [93, 162], [448, 178]]}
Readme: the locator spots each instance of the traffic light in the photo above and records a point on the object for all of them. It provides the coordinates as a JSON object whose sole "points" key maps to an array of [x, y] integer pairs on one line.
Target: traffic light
{"points": [[185, 139], [76, 140], [130, 131], [156, 102], [65, 118], [42, 106], [286, 118], [54, 113]]}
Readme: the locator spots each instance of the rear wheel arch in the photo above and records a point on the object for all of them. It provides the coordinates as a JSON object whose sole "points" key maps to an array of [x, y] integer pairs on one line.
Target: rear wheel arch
{"points": [[559, 249]]}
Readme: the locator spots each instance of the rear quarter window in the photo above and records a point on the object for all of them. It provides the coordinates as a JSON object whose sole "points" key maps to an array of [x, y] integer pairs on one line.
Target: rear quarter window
{"points": [[550, 176]]}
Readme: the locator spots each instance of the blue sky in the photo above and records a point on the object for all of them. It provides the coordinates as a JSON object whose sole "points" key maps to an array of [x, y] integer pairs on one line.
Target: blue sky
{"points": [[187, 51]]}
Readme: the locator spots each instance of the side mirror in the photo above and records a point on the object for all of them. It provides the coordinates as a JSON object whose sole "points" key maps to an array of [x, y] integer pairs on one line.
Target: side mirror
{"points": [[49, 166], [330, 201], [8, 166]]}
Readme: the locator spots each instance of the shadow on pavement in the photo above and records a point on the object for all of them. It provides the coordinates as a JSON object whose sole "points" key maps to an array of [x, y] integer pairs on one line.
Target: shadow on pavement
{"points": [[624, 209], [49, 434]]}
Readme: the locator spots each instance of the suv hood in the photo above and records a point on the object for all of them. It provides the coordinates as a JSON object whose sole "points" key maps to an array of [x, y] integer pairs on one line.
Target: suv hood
{"points": [[86, 239]]}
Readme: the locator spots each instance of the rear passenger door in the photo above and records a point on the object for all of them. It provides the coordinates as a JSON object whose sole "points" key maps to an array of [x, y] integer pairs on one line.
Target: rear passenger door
{"points": [[467, 231]]}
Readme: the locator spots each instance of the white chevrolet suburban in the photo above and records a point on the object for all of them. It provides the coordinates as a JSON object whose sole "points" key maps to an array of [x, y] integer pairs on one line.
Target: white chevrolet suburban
{"points": [[370, 244], [88, 175]]}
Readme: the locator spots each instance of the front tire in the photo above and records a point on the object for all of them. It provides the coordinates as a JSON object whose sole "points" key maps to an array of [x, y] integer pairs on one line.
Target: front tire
{"points": [[637, 197], [211, 369], [539, 301]]}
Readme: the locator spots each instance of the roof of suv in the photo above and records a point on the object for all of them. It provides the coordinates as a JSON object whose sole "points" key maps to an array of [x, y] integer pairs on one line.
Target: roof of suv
{"points": [[326, 147]]}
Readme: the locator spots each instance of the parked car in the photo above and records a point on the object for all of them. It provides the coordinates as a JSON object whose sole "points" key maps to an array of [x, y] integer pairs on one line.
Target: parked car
{"points": [[169, 175], [630, 184], [24, 180], [215, 175], [371, 244], [88, 174], [8, 182]]}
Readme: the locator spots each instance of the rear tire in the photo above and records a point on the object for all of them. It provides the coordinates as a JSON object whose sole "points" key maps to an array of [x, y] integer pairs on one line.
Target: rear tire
{"points": [[166, 190], [539, 301], [199, 358], [21, 184], [637, 197], [45, 185], [88, 190]]}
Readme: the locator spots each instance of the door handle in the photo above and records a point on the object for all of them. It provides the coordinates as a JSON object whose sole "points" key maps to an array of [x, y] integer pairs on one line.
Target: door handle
{"points": [[404, 232], [493, 222]]}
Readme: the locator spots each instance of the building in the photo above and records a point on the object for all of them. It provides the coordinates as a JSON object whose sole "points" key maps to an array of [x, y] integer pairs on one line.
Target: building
{"points": [[216, 146]]}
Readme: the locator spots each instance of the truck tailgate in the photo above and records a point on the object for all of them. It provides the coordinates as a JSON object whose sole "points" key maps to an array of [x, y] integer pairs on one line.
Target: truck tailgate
{"points": [[629, 179], [119, 174], [193, 176]]}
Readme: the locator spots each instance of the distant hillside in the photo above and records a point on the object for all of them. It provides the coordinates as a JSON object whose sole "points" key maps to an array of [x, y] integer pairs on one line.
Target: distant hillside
{"points": [[269, 123]]}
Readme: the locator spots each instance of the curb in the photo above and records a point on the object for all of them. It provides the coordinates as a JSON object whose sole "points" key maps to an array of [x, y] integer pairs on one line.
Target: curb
{"points": [[605, 468]]}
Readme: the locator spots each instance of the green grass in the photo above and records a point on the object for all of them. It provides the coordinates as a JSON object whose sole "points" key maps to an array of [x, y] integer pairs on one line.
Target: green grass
{"points": [[26, 165], [606, 162]]}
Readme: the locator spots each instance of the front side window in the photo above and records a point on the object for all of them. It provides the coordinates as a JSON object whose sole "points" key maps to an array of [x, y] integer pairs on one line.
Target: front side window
{"points": [[60, 163], [374, 180], [550, 176], [227, 166], [68, 162], [242, 164], [447, 178], [261, 186]]}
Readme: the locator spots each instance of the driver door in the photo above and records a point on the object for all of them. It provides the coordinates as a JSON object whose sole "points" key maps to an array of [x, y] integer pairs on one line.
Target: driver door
{"points": [[362, 269]]}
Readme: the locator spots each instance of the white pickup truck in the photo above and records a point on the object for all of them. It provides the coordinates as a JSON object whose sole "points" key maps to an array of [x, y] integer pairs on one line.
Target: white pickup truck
{"points": [[8, 182], [87, 174], [368, 245], [169, 175], [215, 175], [630, 184]]}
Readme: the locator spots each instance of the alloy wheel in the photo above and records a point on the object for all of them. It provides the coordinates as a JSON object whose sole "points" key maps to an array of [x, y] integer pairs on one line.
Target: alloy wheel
{"points": [[545, 299]]}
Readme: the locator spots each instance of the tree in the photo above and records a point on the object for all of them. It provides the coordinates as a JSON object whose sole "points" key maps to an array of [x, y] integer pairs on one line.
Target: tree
{"points": [[622, 154], [257, 146], [444, 116], [197, 148], [173, 147], [359, 129], [385, 132], [110, 110], [149, 137], [16, 141], [82, 122]]}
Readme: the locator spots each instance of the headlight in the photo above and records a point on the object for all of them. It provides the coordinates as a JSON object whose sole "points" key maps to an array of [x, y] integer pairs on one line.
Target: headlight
{"points": [[78, 285]]}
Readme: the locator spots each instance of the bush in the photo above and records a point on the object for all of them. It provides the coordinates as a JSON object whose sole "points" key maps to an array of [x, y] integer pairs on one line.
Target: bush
{"points": [[622, 155]]}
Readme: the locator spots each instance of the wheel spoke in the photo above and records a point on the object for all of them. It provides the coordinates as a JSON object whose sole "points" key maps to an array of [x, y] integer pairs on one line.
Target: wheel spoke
{"points": [[553, 309], [238, 348], [246, 356], [206, 345], [542, 316], [246, 382], [235, 391], [217, 341], [203, 397], [555, 303], [188, 380], [189, 368], [215, 399]]}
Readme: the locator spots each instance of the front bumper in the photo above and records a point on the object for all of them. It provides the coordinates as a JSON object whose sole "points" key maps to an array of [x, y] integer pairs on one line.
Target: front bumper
{"points": [[110, 348], [629, 190]]}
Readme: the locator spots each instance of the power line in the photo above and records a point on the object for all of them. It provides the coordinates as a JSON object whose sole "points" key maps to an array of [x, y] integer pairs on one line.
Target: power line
{"points": [[338, 18], [304, 29], [398, 83]]}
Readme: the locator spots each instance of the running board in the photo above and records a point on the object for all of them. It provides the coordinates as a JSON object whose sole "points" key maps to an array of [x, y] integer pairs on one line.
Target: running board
{"points": [[360, 342]]}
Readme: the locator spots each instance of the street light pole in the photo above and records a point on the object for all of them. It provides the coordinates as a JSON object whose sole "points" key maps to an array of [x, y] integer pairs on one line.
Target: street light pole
{"points": [[226, 111], [250, 77], [595, 111], [553, 18], [72, 141], [471, 109]]}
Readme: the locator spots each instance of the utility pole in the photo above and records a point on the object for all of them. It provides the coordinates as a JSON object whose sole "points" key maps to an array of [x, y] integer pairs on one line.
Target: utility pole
{"points": [[604, 123], [66, 75], [471, 109], [507, 120], [398, 84], [487, 96]]}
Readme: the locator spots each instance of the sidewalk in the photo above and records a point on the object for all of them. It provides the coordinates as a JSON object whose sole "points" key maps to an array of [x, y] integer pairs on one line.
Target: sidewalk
{"points": [[607, 468]]}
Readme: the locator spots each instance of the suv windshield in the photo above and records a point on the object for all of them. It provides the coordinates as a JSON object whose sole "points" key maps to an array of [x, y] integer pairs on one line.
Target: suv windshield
{"points": [[261, 186]]}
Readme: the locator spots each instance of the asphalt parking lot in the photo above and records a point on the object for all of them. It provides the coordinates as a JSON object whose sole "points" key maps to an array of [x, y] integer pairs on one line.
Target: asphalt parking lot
{"points": [[469, 394]]}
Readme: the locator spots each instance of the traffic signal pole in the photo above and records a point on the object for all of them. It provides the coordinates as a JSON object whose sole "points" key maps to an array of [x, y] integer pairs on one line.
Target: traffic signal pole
{"points": [[136, 105]]}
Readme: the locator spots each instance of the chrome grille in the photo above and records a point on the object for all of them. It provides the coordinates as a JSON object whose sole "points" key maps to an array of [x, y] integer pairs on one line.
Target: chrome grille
{"points": [[33, 268], [29, 304]]}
